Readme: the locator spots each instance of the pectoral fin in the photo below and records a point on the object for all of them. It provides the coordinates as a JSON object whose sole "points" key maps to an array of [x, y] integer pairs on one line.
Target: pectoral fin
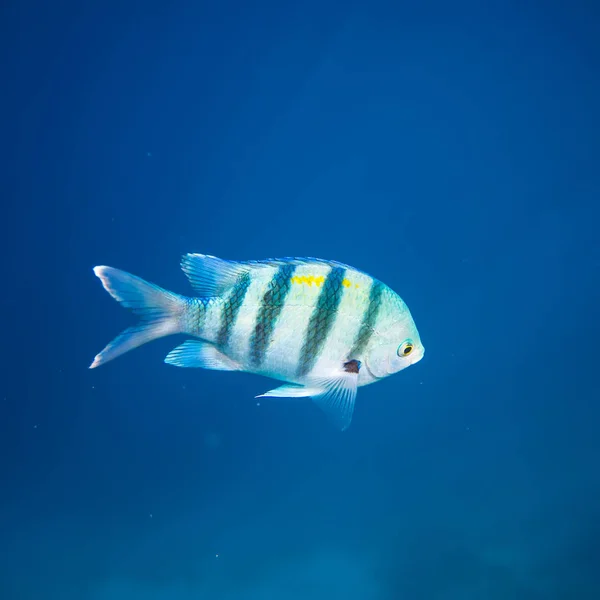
{"points": [[335, 396]]}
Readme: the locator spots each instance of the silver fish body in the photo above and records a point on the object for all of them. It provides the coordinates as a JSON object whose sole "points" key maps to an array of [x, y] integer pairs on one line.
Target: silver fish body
{"points": [[322, 327]]}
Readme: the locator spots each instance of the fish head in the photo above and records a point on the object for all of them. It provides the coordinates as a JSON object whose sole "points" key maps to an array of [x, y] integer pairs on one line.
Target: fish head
{"points": [[394, 349]]}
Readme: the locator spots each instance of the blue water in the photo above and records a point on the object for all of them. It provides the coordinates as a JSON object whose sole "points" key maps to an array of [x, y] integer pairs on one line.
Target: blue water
{"points": [[450, 150]]}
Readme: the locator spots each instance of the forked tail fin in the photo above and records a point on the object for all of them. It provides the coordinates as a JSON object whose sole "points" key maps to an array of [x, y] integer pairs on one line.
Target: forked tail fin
{"points": [[161, 312]]}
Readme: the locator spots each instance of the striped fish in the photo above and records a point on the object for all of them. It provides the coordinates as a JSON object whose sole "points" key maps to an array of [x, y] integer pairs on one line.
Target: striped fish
{"points": [[322, 327]]}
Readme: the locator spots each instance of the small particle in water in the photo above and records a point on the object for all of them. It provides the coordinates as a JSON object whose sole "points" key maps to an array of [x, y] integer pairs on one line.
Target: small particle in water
{"points": [[216, 556], [148, 153], [258, 404], [150, 515], [212, 439]]}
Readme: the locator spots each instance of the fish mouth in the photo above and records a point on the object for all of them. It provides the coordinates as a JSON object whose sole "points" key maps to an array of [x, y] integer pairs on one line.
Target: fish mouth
{"points": [[417, 358]]}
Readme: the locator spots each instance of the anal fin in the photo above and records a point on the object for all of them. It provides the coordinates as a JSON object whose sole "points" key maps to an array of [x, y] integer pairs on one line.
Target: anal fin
{"points": [[199, 354]]}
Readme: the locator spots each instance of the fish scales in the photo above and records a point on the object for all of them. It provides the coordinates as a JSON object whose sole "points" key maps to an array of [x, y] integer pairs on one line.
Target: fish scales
{"points": [[270, 310], [231, 307], [321, 320], [369, 319], [196, 315], [287, 348], [353, 307], [240, 347]]}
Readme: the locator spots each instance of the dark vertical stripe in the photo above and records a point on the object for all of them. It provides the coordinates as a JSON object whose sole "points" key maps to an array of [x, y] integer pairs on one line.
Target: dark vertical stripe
{"points": [[231, 308], [269, 311], [199, 315], [369, 318], [321, 320]]}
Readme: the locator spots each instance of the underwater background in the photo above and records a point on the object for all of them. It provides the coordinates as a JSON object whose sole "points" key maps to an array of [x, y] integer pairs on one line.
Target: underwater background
{"points": [[450, 150]]}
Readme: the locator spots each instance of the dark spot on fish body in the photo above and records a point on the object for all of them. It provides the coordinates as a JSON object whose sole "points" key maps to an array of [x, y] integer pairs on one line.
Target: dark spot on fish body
{"points": [[352, 366]]}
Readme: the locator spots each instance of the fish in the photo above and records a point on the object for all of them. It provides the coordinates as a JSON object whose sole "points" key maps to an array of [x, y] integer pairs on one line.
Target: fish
{"points": [[321, 327]]}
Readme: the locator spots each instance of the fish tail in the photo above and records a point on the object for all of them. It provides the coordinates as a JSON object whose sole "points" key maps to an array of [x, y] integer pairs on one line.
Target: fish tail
{"points": [[161, 312]]}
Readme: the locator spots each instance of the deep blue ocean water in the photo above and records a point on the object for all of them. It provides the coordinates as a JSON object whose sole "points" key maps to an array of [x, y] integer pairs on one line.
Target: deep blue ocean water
{"points": [[449, 149]]}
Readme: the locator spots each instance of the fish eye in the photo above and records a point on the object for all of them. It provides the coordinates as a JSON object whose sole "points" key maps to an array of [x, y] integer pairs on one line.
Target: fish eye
{"points": [[405, 348]]}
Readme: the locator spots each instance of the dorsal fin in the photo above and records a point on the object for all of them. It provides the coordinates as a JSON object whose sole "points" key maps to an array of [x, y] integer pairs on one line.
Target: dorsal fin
{"points": [[211, 276]]}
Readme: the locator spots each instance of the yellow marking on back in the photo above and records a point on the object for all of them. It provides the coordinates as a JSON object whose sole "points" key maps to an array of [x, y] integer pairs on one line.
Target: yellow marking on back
{"points": [[318, 280], [347, 283], [309, 280]]}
